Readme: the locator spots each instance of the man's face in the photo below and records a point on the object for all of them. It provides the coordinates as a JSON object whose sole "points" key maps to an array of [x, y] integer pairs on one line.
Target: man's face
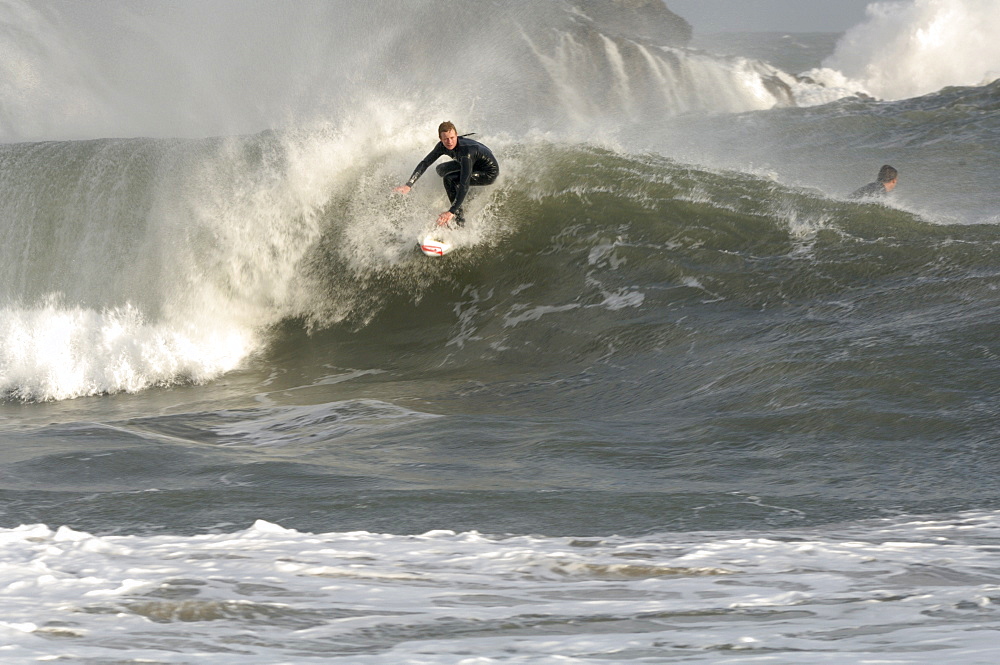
{"points": [[449, 139], [891, 185]]}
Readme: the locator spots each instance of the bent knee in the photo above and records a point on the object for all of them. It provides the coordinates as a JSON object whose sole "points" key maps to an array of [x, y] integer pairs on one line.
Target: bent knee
{"points": [[448, 168]]}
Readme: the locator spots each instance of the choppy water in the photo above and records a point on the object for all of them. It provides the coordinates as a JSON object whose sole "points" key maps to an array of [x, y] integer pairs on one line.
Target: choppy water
{"points": [[675, 398]]}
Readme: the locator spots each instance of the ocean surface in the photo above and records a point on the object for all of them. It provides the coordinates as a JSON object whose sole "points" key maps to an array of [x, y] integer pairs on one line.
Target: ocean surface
{"points": [[675, 398]]}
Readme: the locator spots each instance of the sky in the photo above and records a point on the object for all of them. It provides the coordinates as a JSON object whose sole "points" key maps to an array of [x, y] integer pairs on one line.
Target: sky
{"points": [[708, 16]]}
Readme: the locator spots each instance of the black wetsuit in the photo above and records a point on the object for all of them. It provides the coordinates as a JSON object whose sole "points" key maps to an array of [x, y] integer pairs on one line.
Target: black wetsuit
{"points": [[871, 189], [474, 165]]}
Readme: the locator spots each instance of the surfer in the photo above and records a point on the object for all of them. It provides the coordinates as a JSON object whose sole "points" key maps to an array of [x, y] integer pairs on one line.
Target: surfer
{"points": [[885, 183], [473, 165]]}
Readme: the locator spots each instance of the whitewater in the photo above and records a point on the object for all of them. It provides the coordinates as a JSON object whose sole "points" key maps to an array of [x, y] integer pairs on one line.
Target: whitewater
{"points": [[676, 398]]}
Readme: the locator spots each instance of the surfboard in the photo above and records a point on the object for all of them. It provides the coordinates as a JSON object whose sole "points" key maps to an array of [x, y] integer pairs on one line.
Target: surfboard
{"points": [[435, 243]]}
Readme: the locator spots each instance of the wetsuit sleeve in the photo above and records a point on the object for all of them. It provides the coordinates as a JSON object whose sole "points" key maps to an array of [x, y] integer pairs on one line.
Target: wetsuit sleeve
{"points": [[871, 189], [465, 175], [431, 157]]}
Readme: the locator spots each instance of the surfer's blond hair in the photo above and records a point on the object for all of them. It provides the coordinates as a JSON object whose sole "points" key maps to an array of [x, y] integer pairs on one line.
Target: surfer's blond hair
{"points": [[446, 126]]}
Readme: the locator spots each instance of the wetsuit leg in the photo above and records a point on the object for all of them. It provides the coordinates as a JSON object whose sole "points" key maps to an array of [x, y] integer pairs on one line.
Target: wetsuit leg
{"points": [[479, 179], [450, 173]]}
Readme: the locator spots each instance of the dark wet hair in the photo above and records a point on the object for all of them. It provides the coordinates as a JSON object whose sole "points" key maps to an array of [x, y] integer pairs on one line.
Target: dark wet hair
{"points": [[446, 126], [887, 174]]}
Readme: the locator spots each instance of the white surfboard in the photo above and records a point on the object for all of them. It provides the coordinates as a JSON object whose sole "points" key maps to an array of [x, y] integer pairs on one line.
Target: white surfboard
{"points": [[435, 243]]}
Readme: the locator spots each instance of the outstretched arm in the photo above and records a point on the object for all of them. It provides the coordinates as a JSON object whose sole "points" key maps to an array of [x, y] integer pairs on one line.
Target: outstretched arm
{"points": [[431, 157]]}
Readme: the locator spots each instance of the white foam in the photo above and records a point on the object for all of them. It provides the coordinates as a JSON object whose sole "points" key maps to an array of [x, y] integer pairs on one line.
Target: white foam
{"points": [[859, 593], [56, 352]]}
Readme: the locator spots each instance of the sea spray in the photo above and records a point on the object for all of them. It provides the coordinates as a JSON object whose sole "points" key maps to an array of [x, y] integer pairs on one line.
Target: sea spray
{"points": [[908, 49], [189, 69]]}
